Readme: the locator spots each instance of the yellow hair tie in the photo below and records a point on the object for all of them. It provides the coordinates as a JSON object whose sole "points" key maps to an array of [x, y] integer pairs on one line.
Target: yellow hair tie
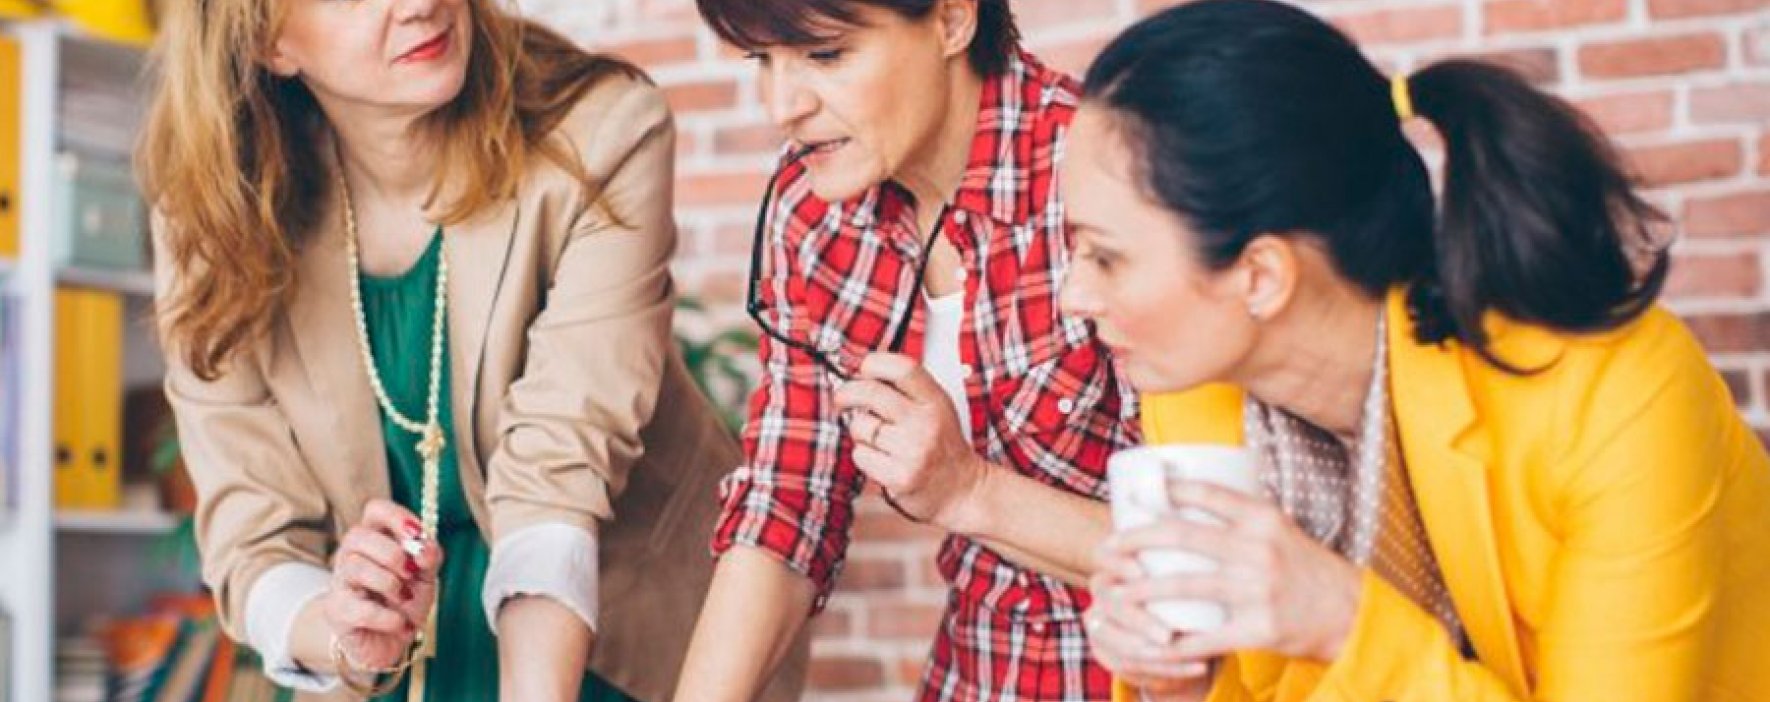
{"points": [[1402, 97]]}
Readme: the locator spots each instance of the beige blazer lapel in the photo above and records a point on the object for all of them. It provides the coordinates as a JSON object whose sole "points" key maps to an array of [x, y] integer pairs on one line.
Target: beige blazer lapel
{"points": [[478, 253], [1447, 457], [324, 328]]}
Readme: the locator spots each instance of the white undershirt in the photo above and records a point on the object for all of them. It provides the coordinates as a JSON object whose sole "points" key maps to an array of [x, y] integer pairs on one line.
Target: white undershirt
{"points": [[940, 352]]}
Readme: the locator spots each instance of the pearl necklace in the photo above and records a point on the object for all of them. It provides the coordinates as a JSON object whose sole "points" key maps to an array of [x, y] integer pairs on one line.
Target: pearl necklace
{"points": [[430, 437]]}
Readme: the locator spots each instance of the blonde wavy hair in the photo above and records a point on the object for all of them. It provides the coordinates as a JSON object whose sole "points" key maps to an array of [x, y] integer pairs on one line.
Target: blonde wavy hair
{"points": [[230, 160]]}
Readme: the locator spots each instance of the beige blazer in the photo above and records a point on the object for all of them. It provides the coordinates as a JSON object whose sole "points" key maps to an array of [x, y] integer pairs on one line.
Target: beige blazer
{"points": [[572, 402]]}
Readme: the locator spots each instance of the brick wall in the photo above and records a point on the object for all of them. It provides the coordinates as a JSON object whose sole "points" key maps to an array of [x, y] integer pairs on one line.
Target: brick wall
{"points": [[1683, 85]]}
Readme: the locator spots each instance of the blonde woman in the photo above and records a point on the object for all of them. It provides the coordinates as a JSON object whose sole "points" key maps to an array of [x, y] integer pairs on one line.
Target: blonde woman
{"points": [[415, 297]]}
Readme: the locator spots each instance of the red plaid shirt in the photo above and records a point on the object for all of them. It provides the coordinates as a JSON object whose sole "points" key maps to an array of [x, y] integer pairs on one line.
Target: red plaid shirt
{"points": [[1044, 398]]}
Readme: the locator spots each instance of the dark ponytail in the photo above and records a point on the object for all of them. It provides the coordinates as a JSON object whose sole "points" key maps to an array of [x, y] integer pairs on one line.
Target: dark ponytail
{"points": [[1537, 220], [1258, 118]]}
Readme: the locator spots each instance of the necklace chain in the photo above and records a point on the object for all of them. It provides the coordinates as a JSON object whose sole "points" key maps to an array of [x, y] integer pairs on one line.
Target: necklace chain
{"points": [[431, 441]]}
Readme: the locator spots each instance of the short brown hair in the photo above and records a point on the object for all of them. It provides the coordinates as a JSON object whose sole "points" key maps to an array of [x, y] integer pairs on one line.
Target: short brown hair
{"points": [[750, 24]]}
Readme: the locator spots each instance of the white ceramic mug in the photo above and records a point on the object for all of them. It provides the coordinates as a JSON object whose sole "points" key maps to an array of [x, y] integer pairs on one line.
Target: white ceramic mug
{"points": [[1139, 479]]}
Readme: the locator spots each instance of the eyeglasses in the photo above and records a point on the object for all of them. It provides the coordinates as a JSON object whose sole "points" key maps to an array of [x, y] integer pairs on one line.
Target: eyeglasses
{"points": [[753, 302]]}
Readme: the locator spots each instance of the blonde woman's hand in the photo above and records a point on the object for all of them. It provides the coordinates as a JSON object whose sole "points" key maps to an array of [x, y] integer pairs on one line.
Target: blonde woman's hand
{"points": [[380, 594], [1283, 591]]}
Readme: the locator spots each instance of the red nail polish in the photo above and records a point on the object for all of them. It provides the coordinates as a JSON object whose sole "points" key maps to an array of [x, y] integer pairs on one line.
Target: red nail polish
{"points": [[414, 529], [411, 567], [405, 592]]}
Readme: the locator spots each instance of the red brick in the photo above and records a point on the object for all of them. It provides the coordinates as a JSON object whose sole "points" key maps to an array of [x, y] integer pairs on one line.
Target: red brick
{"points": [[1540, 66], [1072, 57], [1738, 275], [1506, 16], [833, 673], [655, 52], [1045, 14], [730, 239], [907, 671], [698, 189], [743, 139], [1739, 213], [702, 96], [1150, 7], [723, 285], [902, 620], [1739, 102], [1401, 25], [1630, 113], [671, 11], [1739, 385], [1731, 333], [1660, 9], [888, 526], [1672, 164], [1764, 154], [876, 573], [832, 623], [1656, 56]]}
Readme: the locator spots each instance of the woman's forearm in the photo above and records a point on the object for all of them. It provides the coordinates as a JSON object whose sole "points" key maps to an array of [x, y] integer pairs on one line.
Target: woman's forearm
{"points": [[752, 616], [543, 648], [1035, 525]]}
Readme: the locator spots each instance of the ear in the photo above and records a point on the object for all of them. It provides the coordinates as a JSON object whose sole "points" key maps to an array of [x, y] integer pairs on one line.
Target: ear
{"points": [[958, 25], [278, 62], [1270, 275]]}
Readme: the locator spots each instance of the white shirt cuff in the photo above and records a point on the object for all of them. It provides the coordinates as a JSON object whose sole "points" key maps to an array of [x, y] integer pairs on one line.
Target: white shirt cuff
{"points": [[277, 597], [550, 560]]}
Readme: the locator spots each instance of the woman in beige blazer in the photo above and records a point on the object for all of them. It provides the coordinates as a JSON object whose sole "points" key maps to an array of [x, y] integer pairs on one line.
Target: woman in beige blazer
{"points": [[415, 294]]}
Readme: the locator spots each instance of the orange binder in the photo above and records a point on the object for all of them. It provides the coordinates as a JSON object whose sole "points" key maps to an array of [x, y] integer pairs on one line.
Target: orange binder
{"points": [[88, 399], [11, 142]]}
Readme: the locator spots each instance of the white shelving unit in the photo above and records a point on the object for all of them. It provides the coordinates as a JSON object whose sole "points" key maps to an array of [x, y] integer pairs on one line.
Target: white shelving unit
{"points": [[121, 522], [63, 566], [133, 283]]}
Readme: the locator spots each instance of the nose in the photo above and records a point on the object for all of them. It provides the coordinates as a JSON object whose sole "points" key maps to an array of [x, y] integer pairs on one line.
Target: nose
{"points": [[1075, 295], [788, 99], [409, 10]]}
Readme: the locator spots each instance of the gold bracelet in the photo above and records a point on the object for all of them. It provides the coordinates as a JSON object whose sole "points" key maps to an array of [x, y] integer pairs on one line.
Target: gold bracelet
{"points": [[347, 669]]}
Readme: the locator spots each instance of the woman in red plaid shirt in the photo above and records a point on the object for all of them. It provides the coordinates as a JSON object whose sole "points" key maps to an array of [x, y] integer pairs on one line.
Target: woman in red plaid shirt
{"points": [[905, 271]]}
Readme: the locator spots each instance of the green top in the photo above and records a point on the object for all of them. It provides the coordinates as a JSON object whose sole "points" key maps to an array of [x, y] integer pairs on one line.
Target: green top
{"points": [[398, 313]]}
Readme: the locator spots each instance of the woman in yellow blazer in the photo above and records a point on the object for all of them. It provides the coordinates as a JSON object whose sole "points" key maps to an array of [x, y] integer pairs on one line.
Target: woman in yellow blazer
{"points": [[415, 292], [1495, 469]]}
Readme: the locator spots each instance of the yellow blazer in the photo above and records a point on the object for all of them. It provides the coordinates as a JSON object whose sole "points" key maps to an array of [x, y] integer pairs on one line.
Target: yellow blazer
{"points": [[1603, 526]]}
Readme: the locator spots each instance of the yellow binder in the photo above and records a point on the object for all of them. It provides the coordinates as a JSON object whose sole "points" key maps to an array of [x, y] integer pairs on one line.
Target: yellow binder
{"points": [[88, 399], [20, 9], [11, 142], [125, 21]]}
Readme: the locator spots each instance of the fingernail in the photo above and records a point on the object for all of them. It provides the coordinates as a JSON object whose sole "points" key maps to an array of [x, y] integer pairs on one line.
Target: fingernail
{"points": [[405, 592], [411, 567]]}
